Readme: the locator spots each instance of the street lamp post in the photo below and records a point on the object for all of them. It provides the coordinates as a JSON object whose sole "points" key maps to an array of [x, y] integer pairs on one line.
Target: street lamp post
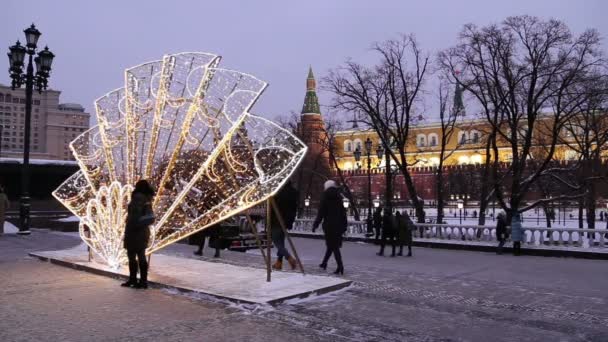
{"points": [[460, 205], [345, 203], [376, 203], [307, 204], [43, 63], [357, 153], [385, 152]]}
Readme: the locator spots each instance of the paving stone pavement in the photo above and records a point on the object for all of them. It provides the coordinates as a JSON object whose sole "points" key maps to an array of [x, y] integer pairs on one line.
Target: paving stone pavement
{"points": [[437, 295]]}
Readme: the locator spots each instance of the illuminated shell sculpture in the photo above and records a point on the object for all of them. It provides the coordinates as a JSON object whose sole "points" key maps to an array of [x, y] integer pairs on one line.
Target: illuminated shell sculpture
{"points": [[183, 124]]}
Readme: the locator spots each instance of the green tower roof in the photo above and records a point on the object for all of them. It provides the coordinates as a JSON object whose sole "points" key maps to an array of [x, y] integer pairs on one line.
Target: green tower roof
{"points": [[311, 102]]}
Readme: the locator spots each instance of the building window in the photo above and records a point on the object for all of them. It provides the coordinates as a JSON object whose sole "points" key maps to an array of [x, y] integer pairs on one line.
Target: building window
{"points": [[462, 138], [433, 138], [463, 160], [15, 100], [476, 159], [37, 102], [421, 140], [571, 155], [357, 144], [475, 137], [348, 146]]}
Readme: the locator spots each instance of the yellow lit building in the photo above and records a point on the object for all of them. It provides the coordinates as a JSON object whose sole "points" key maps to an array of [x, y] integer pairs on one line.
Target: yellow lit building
{"points": [[468, 143]]}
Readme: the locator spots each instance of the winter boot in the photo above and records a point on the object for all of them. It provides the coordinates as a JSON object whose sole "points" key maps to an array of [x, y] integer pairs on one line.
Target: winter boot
{"points": [[278, 265], [292, 262]]}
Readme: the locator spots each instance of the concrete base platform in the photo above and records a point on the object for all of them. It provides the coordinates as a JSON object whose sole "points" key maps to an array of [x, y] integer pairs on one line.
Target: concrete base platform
{"points": [[234, 283]]}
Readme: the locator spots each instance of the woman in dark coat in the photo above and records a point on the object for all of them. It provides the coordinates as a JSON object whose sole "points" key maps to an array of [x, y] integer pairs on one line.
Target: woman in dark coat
{"points": [[404, 232], [501, 231], [388, 232], [332, 213], [137, 233]]}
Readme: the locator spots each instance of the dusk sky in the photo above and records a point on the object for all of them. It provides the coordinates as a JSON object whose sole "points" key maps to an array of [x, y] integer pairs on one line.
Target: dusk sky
{"points": [[94, 41]]}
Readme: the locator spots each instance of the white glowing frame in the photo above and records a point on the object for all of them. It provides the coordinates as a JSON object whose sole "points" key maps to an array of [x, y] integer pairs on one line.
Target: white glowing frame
{"points": [[218, 159]]}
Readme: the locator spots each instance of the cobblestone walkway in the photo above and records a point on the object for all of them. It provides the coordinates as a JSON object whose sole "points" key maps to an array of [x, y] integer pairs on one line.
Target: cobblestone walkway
{"points": [[438, 295]]}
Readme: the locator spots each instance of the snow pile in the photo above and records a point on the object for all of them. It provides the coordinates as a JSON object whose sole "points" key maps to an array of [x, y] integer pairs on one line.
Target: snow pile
{"points": [[10, 228], [69, 219]]}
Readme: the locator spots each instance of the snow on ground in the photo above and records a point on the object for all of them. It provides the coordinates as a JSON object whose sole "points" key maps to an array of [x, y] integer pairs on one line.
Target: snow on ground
{"points": [[10, 228], [69, 219]]}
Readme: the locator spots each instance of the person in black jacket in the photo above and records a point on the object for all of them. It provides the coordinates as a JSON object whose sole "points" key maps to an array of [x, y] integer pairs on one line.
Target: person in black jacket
{"points": [[378, 224], [332, 213], [388, 232], [287, 203], [137, 233], [501, 231], [404, 232]]}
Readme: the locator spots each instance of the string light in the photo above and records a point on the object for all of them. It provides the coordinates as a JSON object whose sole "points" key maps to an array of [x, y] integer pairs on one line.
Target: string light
{"points": [[185, 125]]}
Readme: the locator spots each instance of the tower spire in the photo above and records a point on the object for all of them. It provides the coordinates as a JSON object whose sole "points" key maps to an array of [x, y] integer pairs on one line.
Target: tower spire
{"points": [[311, 102], [458, 106]]}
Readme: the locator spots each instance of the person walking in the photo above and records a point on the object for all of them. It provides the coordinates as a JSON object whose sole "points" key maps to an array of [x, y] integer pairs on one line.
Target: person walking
{"points": [[213, 233], [378, 224], [501, 231], [287, 203], [517, 233], [332, 213], [4, 205], [405, 226], [137, 233], [388, 232]]}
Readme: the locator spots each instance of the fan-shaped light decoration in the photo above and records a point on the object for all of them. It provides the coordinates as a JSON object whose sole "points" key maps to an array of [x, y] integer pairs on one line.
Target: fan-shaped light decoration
{"points": [[183, 124]]}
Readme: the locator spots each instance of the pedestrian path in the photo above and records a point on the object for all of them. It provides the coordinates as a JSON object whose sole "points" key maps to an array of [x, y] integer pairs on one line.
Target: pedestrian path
{"points": [[231, 282]]}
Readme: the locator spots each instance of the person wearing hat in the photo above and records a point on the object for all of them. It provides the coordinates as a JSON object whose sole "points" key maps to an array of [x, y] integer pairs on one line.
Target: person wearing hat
{"points": [[331, 211]]}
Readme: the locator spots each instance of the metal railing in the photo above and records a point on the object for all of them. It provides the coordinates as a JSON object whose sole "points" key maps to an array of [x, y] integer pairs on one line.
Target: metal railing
{"points": [[533, 236]]}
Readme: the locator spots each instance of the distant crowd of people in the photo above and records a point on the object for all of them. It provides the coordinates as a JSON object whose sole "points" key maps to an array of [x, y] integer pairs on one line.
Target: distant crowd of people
{"points": [[395, 228]]}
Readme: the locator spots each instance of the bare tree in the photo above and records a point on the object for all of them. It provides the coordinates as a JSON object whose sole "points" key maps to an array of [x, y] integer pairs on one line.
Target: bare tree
{"points": [[517, 71], [586, 134], [447, 120], [387, 94]]}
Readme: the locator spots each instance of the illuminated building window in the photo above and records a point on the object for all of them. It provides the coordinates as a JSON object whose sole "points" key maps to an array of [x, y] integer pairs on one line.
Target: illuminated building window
{"points": [[571, 155], [463, 160]]}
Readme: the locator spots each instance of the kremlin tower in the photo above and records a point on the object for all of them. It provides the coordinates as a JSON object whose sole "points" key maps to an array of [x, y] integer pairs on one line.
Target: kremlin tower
{"points": [[311, 129]]}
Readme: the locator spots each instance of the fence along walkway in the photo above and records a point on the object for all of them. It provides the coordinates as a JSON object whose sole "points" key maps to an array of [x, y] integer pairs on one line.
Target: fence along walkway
{"points": [[586, 239]]}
